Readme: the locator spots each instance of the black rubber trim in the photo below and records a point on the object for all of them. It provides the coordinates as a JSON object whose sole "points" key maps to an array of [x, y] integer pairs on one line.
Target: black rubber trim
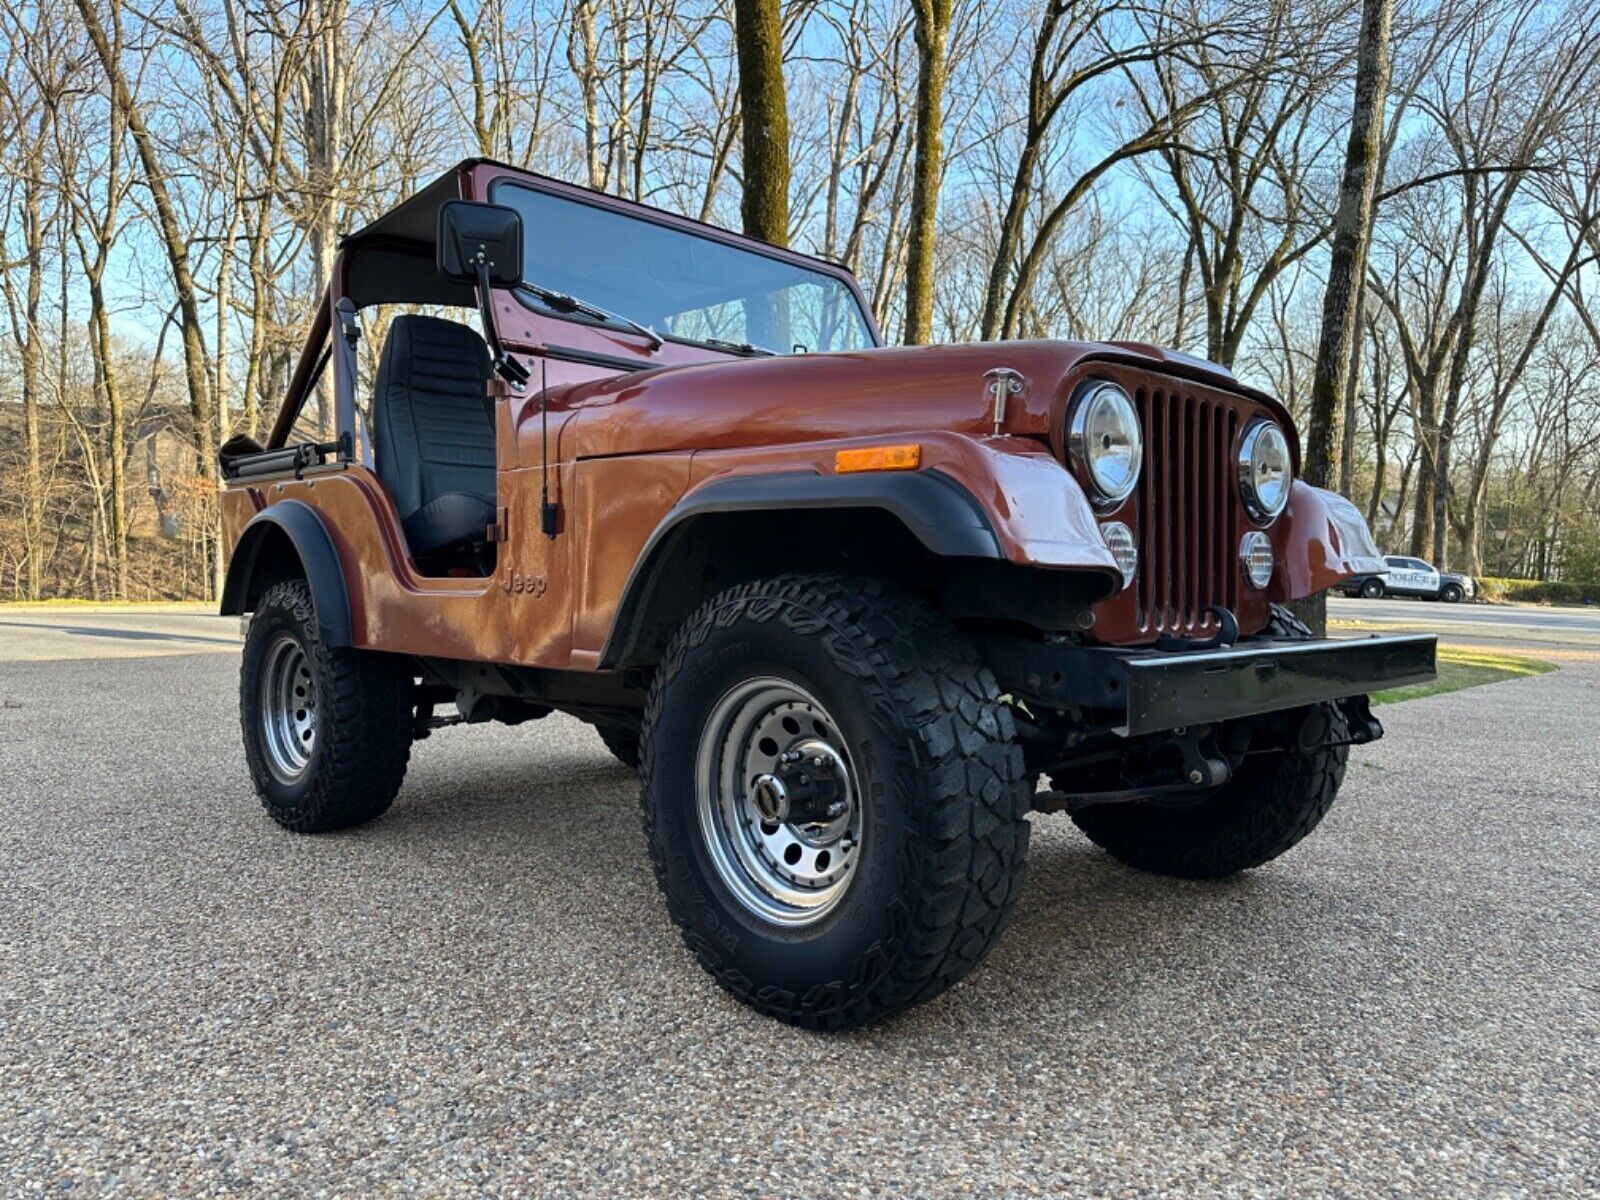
{"points": [[937, 510], [323, 571], [942, 514], [595, 358]]}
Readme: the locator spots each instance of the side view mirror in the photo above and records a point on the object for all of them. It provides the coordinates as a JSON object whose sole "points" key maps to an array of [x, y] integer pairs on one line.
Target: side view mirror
{"points": [[479, 243]]}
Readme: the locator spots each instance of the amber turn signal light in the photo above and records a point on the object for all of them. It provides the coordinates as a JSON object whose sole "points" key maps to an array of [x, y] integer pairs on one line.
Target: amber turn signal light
{"points": [[878, 458]]}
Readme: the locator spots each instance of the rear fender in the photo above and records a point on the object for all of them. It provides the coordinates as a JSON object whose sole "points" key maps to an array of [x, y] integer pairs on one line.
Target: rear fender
{"points": [[288, 540]]}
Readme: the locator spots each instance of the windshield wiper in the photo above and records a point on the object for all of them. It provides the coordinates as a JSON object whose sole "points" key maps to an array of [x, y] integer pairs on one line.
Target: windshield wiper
{"points": [[568, 303], [736, 347]]}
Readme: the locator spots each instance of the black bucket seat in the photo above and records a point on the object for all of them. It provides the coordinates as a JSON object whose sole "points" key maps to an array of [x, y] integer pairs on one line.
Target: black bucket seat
{"points": [[433, 433]]}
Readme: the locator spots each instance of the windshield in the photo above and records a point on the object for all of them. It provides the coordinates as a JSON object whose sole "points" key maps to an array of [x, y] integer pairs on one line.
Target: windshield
{"points": [[681, 284]]}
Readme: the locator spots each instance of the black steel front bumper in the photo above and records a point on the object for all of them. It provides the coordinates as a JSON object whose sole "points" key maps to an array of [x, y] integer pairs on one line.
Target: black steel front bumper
{"points": [[1148, 691]]}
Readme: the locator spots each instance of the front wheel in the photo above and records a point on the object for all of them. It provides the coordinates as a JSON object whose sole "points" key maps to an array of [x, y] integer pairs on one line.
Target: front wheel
{"points": [[833, 800], [1450, 593], [327, 730]]}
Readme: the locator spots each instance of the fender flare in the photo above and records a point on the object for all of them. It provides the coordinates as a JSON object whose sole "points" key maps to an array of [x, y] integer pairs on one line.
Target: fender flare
{"points": [[319, 561], [939, 512]]}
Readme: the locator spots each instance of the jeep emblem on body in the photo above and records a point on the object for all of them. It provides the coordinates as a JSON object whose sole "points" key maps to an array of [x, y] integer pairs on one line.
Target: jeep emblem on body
{"points": [[516, 583]]}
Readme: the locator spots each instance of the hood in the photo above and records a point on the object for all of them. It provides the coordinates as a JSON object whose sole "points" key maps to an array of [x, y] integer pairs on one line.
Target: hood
{"points": [[814, 397]]}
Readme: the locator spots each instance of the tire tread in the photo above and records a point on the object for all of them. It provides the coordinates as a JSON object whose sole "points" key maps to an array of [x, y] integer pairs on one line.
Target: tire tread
{"points": [[364, 733]]}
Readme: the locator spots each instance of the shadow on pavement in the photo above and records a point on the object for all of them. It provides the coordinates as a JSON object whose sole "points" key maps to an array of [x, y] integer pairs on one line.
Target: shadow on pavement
{"points": [[123, 634], [1087, 932]]}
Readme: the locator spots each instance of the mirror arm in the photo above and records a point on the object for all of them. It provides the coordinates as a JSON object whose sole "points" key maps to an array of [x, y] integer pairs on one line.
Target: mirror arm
{"points": [[506, 367]]}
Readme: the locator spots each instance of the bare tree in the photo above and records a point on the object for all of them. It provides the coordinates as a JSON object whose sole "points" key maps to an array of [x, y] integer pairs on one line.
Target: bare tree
{"points": [[1516, 96], [1332, 395], [1239, 183], [95, 192], [40, 73], [108, 47]]}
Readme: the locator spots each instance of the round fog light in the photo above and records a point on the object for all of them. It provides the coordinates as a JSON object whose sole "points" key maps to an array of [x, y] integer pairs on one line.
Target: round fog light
{"points": [[1255, 551], [1119, 540]]}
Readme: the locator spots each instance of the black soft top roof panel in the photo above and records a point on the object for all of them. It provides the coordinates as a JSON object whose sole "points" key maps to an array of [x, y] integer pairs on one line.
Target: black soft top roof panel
{"points": [[415, 219]]}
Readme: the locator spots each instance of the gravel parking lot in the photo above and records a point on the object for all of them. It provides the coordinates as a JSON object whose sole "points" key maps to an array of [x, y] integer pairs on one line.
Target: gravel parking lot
{"points": [[481, 994]]}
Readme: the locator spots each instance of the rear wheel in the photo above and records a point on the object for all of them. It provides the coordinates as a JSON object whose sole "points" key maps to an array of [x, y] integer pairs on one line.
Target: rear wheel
{"points": [[833, 799], [1372, 589], [327, 730]]}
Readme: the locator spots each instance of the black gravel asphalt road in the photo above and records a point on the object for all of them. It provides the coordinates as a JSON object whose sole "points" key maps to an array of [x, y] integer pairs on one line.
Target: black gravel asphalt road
{"points": [[480, 994]]}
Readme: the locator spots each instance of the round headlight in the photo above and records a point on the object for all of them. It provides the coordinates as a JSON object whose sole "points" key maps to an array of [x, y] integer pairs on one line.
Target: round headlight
{"points": [[1104, 439], [1265, 471]]}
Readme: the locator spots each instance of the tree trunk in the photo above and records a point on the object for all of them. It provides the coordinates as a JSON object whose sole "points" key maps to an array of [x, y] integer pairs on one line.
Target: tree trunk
{"points": [[583, 53], [1439, 551], [1375, 496], [327, 85], [1352, 393], [105, 368], [759, 35], [933, 31], [1421, 543], [1352, 226], [32, 377]]}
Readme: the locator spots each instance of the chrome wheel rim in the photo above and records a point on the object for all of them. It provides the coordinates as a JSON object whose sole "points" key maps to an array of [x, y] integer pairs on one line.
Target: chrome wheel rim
{"points": [[779, 808], [288, 709]]}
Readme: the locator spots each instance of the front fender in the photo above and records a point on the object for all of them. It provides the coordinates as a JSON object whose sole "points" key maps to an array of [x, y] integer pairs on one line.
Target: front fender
{"points": [[941, 513], [1321, 540], [1004, 500], [290, 527], [1038, 509]]}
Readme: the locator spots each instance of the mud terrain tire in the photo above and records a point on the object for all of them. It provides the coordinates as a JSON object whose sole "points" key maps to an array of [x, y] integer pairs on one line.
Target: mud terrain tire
{"points": [[363, 710], [931, 751]]}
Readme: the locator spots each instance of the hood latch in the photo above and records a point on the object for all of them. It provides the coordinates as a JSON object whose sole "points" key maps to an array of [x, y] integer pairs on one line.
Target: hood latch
{"points": [[1001, 383]]}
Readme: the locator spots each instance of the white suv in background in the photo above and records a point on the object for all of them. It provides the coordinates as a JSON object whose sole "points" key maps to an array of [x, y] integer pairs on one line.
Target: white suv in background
{"points": [[1403, 576]]}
